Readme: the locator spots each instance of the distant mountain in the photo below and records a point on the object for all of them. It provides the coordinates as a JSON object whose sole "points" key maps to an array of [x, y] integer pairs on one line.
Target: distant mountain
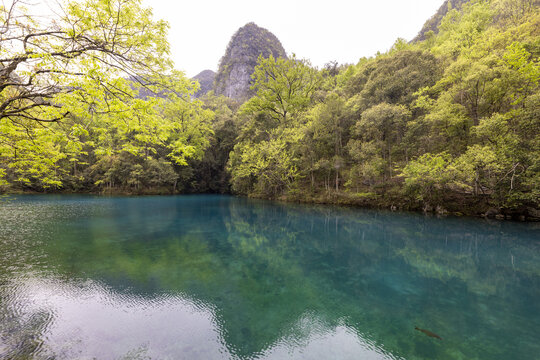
{"points": [[433, 23], [233, 78], [206, 80]]}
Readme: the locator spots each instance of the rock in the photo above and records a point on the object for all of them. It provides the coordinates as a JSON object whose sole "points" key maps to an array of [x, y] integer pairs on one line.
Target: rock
{"points": [[428, 208], [441, 210], [491, 213], [499, 217], [533, 213], [233, 78]]}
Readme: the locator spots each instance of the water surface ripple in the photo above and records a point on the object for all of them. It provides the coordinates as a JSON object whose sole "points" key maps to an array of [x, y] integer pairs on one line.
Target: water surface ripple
{"points": [[218, 277]]}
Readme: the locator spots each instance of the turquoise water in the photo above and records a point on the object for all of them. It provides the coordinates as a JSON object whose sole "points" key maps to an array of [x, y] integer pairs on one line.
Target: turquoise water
{"points": [[217, 277]]}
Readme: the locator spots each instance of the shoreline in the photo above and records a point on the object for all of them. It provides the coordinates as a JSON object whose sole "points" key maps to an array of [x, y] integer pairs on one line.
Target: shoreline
{"points": [[485, 211]]}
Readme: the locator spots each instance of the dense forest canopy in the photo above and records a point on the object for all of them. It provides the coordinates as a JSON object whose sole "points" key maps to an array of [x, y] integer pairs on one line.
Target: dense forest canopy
{"points": [[431, 26], [70, 114], [448, 124]]}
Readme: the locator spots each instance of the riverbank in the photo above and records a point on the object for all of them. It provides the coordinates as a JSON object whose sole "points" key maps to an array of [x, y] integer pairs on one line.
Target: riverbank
{"points": [[458, 206], [453, 206]]}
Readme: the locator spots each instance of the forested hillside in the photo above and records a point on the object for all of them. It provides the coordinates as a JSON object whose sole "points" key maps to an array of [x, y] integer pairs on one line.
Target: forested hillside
{"points": [[431, 26], [206, 82], [450, 124]]}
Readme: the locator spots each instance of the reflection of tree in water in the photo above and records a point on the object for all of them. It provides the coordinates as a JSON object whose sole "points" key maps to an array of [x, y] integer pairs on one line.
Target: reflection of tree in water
{"points": [[263, 266], [20, 336], [21, 332], [387, 272]]}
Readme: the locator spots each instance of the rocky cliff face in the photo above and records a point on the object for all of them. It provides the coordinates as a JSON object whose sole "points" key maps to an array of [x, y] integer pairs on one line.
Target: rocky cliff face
{"points": [[206, 81], [233, 78], [433, 23]]}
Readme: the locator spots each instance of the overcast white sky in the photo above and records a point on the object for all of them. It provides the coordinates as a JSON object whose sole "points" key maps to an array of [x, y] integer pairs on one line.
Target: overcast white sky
{"points": [[318, 30], [321, 31]]}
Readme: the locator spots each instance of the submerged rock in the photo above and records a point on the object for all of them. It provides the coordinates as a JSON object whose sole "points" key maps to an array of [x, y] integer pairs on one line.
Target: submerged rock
{"points": [[491, 213]]}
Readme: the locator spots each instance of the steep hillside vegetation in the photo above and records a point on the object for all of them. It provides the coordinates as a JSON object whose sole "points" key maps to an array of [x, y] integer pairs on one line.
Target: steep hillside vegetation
{"points": [[206, 81], [433, 23], [449, 124]]}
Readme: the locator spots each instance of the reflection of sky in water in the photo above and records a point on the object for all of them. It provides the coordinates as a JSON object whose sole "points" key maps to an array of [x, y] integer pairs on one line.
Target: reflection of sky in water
{"points": [[91, 321], [214, 277]]}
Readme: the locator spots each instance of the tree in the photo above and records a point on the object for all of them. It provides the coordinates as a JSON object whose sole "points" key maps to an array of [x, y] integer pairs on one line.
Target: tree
{"points": [[384, 125], [393, 78], [284, 87], [266, 156], [210, 173], [267, 167], [79, 54], [90, 83], [328, 133], [427, 177]]}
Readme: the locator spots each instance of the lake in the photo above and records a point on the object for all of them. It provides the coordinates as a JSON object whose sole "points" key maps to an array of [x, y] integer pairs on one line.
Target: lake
{"points": [[219, 277]]}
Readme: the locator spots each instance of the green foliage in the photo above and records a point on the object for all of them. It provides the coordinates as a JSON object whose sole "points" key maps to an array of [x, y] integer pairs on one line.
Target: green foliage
{"points": [[284, 88], [431, 27], [70, 118], [427, 177], [206, 81], [266, 157], [274, 163], [209, 173], [392, 78], [453, 120], [460, 30], [448, 121]]}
